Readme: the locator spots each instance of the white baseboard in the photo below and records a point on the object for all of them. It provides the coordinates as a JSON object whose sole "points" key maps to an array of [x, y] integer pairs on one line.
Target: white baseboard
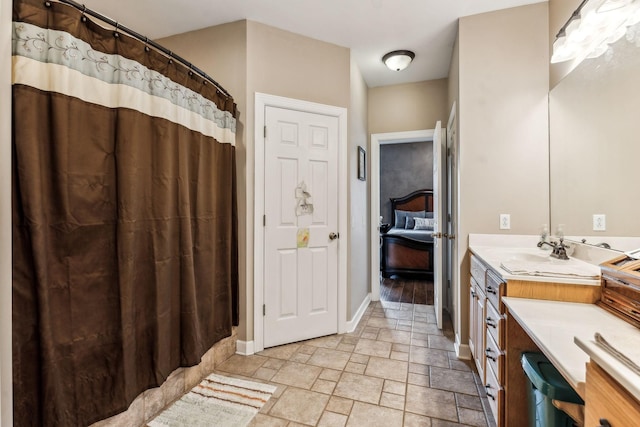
{"points": [[245, 348], [462, 350], [353, 323]]}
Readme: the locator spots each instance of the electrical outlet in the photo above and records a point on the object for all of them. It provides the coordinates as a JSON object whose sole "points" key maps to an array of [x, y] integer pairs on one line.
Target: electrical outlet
{"points": [[599, 222], [505, 221]]}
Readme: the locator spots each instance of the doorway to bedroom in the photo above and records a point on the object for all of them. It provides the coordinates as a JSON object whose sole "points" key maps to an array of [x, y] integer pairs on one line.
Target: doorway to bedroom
{"points": [[407, 201], [406, 168]]}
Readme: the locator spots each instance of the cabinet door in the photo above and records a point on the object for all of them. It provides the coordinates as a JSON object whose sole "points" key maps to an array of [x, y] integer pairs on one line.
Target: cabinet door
{"points": [[473, 318], [480, 333], [607, 400]]}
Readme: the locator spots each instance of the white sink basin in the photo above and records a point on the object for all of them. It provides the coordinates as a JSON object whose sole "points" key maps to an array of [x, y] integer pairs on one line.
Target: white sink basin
{"points": [[542, 258], [538, 262], [528, 257]]}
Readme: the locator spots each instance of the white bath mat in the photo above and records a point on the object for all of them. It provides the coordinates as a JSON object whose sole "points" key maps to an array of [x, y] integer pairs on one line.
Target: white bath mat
{"points": [[216, 401]]}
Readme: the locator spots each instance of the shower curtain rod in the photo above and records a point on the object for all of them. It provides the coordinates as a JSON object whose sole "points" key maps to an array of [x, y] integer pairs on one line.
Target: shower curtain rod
{"points": [[144, 39]]}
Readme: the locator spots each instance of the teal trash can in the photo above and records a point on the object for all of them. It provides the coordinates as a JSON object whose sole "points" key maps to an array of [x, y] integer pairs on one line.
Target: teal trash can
{"points": [[546, 384]]}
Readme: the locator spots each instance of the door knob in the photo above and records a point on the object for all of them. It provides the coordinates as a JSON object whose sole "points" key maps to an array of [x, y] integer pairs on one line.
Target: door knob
{"points": [[333, 236]]}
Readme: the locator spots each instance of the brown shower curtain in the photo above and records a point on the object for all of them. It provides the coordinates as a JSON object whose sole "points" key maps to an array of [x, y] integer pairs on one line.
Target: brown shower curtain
{"points": [[124, 217]]}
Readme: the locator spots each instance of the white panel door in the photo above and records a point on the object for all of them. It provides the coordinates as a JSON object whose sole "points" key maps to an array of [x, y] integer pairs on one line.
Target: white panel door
{"points": [[301, 246], [438, 252]]}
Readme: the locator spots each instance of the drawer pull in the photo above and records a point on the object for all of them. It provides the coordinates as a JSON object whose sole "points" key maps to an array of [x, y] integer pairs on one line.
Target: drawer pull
{"points": [[632, 311], [488, 352], [491, 323], [604, 423], [489, 395], [491, 290]]}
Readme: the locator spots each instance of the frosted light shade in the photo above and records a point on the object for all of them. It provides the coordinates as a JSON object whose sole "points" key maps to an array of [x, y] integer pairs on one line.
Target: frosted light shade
{"points": [[398, 60], [593, 27]]}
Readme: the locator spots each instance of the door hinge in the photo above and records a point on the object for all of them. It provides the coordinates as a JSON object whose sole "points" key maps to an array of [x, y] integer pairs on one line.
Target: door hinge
{"points": [[264, 309], [265, 131], [264, 220]]}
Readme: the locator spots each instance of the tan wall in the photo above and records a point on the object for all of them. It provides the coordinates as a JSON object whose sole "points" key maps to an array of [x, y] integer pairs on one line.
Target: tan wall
{"points": [[6, 408], [453, 82], [559, 13], [287, 64], [405, 107], [503, 128], [359, 203], [248, 57]]}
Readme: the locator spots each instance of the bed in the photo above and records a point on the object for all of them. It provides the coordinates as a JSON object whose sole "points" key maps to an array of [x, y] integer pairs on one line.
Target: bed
{"points": [[407, 251]]}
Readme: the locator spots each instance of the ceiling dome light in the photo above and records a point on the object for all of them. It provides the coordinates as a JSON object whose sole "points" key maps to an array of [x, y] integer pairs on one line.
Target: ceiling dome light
{"points": [[398, 60]]}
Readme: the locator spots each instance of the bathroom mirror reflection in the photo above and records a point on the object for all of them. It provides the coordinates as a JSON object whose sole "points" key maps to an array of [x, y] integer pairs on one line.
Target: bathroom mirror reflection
{"points": [[594, 115]]}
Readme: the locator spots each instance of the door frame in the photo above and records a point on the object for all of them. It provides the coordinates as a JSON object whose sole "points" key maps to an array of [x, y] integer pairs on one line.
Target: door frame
{"points": [[263, 100], [452, 210], [378, 139]]}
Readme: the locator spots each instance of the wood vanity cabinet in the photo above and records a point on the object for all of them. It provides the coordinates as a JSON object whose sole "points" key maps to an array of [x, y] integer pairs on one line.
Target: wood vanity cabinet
{"points": [[497, 341], [486, 331], [607, 401]]}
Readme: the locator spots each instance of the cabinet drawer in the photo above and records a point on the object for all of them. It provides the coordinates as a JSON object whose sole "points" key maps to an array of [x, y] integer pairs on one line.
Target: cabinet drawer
{"points": [[495, 325], [495, 289], [494, 358], [495, 395], [478, 270]]}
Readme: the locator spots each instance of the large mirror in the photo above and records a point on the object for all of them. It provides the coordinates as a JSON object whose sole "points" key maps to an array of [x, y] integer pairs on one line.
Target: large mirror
{"points": [[595, 144]]}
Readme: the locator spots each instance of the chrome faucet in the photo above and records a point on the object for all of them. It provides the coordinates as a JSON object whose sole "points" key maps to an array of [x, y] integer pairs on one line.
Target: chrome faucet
{"points": [[559, 249]]}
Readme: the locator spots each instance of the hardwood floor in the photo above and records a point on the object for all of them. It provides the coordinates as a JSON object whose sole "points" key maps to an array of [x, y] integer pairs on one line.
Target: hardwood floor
{"points": [[400, 289]]}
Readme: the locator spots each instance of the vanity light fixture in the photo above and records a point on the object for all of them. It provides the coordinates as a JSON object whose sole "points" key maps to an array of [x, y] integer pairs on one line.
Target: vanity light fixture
{"points": [[592, 27], [398, 60]]}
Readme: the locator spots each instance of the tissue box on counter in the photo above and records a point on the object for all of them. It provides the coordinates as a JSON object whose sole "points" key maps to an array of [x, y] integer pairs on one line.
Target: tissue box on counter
{"points": [[621, 288]]}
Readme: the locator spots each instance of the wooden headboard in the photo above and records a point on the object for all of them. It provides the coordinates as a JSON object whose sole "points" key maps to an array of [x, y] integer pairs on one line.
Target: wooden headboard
{"points": [[420, 200]]}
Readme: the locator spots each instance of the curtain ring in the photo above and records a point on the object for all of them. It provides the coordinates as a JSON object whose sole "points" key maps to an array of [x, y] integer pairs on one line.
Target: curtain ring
{"points": [[115, 33], [84, 17]]}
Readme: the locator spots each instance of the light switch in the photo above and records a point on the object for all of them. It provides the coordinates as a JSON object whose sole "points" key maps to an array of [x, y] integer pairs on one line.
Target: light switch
{"points": [[505, 222], [599, 222]]}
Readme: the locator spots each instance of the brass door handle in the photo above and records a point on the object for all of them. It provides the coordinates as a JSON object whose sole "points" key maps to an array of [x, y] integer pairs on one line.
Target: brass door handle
{"points": [[436, 235], [333, 236]]}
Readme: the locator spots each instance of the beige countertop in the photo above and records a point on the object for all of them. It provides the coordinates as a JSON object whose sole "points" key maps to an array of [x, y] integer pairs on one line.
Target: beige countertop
{"points": [[564, 332]]}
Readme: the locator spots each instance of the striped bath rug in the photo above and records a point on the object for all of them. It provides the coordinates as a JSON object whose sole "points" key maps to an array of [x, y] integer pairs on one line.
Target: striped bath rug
{"points": [[216, 401]]}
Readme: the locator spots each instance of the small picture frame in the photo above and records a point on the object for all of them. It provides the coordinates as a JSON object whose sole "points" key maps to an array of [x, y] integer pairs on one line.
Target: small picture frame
{"points": [[362, 164]]}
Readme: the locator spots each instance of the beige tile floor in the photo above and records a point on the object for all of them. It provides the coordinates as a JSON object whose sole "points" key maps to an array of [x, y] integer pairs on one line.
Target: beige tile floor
{"points": [[395, 370]]}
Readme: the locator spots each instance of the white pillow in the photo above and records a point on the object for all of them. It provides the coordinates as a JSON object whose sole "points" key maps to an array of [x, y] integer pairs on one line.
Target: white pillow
{"points": [[424, 224]]}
